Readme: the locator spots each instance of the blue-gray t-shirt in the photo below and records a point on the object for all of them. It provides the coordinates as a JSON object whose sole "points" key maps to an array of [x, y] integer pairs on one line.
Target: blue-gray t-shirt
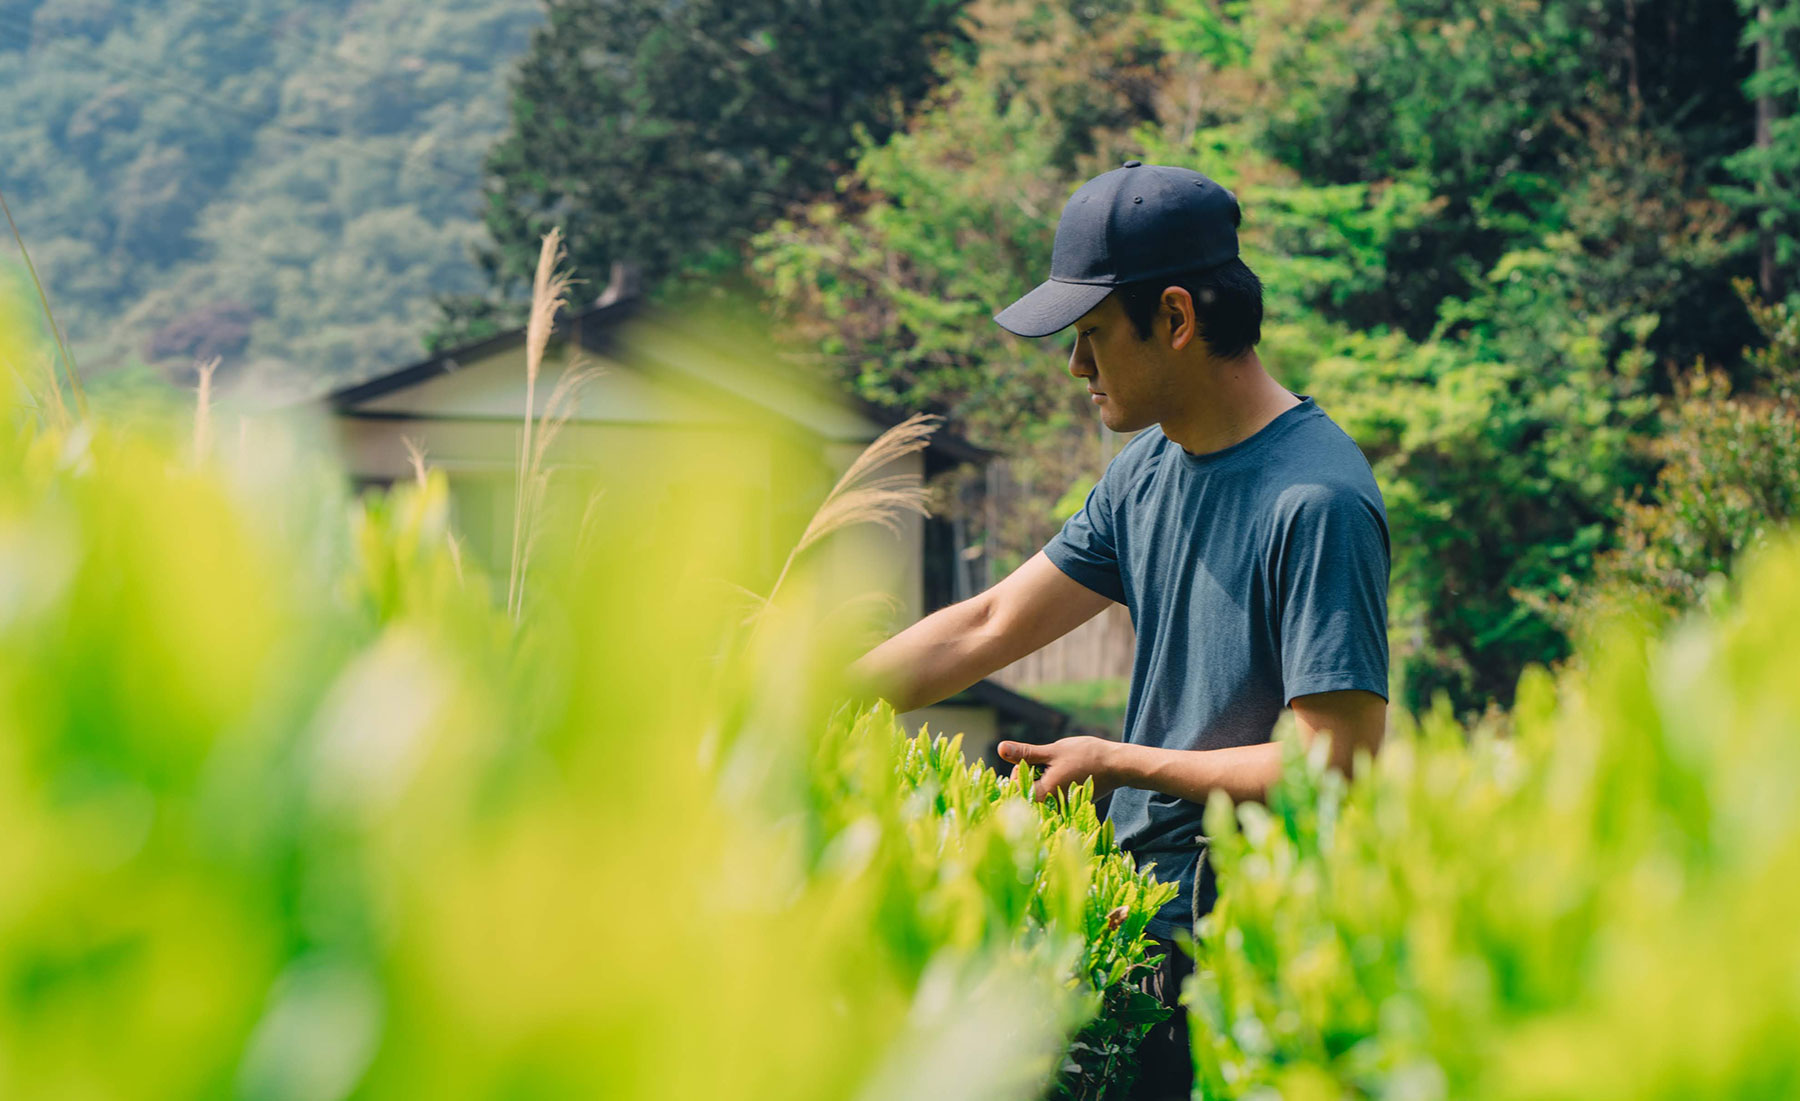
{"points": [[1254, 574]]}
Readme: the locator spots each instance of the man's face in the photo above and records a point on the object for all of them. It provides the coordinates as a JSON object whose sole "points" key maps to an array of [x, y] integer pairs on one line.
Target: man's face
{"points": [[1135, 376]]}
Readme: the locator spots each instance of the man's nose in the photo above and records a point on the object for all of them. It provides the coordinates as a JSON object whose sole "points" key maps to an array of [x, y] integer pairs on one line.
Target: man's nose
{"points": [[1081, 364]]}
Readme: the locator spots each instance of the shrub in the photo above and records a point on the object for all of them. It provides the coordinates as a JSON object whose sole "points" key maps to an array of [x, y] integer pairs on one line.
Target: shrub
{"points": [[983, 861], [1588, 904], [1730, 477], [291, 808]]}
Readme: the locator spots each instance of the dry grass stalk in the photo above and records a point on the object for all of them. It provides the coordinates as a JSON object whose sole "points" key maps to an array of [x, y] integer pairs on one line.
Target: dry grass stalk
{"points": [[549, 294], [888, 602], [560, 406], [859, 498], [584, 533], [455, 554], [62, 344], [203, 410], [534, 488], [415, 457], [58, 412], [50, 408]]}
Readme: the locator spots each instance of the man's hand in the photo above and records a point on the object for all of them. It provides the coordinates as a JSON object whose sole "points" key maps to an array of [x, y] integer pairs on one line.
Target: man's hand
{"points": [[1065, 762]]}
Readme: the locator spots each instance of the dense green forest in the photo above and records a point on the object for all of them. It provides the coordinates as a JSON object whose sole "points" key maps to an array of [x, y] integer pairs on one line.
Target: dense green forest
{"points": [[283, 185]]}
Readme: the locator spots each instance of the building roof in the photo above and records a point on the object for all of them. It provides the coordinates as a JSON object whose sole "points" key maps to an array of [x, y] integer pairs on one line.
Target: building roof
{"points": [[600, 327]]}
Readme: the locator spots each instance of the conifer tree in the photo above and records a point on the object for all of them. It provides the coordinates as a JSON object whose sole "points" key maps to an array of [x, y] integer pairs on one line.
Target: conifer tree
{"points": [[1770, 168]]}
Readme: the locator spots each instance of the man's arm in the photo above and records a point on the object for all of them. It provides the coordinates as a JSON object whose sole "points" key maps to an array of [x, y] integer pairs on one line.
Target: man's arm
{"points": [[1356, 719], [954, 647]]}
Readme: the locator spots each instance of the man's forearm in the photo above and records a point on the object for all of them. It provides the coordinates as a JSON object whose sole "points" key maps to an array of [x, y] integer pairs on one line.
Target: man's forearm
{"points": [[938, 656], [1248, 772], [1243, 772]]}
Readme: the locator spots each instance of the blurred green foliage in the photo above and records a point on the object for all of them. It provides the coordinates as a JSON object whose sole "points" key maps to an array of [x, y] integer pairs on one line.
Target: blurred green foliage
{"points": [[290, 808], [1586, 900], [1500, 463], [1501, 112]]}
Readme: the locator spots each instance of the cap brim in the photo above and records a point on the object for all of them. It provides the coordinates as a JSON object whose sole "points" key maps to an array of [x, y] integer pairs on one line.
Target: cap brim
{"points": [[1051, 306]]}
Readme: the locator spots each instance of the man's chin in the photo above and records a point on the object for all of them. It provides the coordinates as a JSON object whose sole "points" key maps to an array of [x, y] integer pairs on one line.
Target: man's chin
{"points": [[1117, 420]]}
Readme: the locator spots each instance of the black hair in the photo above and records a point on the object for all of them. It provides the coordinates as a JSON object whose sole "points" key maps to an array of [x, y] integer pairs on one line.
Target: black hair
{"points": [[1228, 305]]}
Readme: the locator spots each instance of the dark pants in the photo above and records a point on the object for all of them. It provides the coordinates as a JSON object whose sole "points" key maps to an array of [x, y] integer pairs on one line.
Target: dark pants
{"points": [[1165, 1062]]}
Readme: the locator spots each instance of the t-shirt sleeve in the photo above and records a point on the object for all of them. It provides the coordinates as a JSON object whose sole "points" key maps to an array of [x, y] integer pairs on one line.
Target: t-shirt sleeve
{"points": [[1331, 593], [1087, 548]]}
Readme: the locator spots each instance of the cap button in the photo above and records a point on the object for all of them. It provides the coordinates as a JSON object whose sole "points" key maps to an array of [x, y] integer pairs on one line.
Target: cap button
{"points": [[1133, 164]]}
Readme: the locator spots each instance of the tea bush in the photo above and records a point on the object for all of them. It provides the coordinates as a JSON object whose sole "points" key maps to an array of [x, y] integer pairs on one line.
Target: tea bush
{"points": [[980, 860], [1593, 903], [289, 808]]}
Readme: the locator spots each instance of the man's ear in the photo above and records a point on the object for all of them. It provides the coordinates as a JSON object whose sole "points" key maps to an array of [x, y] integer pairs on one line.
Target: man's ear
{"points": [[1184, 323]]}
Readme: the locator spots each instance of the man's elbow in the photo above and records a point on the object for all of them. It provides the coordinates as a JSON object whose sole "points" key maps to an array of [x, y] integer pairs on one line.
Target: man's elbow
{"points": [[1365, 742], [1345, 750], [1355, 721]]}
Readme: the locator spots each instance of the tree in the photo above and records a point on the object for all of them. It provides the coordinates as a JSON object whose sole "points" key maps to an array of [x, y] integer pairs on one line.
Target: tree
{"points": [[660, 135], [1484, 233], [890, 286], [1729, 480], [1470, 101], [1770, 168]]}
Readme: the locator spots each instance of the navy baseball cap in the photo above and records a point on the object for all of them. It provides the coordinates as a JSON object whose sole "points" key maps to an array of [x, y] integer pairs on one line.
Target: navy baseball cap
{"points": [[1142, 221]]}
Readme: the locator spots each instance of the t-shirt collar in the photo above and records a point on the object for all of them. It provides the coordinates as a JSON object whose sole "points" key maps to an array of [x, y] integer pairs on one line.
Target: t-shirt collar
{"points": [[1256, 441]]}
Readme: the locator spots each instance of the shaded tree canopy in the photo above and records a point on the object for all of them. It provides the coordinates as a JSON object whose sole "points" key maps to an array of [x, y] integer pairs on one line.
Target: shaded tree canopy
{"points": [[659, 135], [1489, 235]]}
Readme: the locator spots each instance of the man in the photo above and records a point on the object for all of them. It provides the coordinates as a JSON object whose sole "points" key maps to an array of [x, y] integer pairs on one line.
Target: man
{"points": [[1242, 528]]}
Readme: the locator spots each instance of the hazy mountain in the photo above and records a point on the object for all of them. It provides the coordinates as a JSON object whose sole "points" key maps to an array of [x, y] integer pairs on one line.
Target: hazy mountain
{"points": [[285, 185]]}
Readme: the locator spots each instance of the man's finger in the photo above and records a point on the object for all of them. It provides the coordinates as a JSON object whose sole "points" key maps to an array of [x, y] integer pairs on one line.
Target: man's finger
{"points": [[1019, 751]]}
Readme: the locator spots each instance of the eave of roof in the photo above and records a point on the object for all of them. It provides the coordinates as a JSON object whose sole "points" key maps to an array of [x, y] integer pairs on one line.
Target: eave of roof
{"points": [[947, 444]]}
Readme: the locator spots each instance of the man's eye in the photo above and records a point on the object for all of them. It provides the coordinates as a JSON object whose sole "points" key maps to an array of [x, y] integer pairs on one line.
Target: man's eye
{"points": [[1089, 331]]}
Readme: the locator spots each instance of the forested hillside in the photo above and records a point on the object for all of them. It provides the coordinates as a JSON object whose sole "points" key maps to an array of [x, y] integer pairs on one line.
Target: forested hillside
{"points": [[284, 185]]}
